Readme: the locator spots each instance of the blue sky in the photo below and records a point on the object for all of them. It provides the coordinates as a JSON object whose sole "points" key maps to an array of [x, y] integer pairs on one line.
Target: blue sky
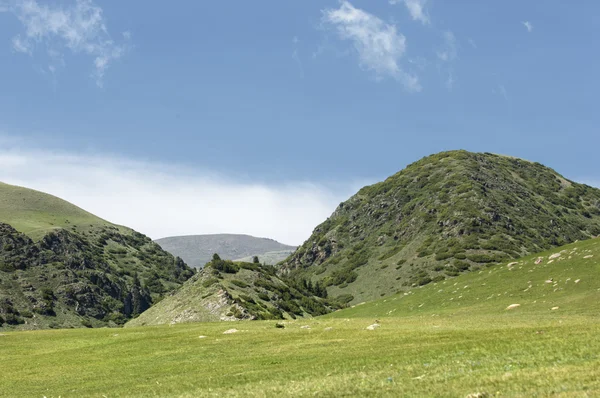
{"points": [[275, 94]]}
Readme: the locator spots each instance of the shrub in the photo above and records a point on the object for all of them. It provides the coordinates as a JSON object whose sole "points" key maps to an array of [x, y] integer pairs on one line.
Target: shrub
{"points": [[264, 296], [480, 258], [239, 283], [209, 282], [461, 265], [344, 298], [424, 281], [443, 256]]}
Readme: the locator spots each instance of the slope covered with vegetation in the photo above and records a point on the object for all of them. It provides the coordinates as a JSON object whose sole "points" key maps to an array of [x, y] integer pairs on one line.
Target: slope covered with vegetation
{"points": [[444, 215], [450, 338], [197, 250], [228, 291], [36, 213], [63, 267]]}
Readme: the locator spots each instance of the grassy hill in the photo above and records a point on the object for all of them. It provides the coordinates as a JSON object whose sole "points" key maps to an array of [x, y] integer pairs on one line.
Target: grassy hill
{"points": [[454, 338], [35, 213], [563, 281], [446, 214], [197, 250], [228, 291], [63, 267]]}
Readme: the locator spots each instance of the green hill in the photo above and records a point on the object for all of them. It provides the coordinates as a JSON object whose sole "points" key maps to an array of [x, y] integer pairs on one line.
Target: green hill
{"points": [[228, 291], [446, 214], [35, 213], [63, 267], [197, 250]]}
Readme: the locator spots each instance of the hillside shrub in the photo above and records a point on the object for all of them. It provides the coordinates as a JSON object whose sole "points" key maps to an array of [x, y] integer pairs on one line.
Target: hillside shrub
{"points": [[209, 282], [239, 283], [344, 298]]}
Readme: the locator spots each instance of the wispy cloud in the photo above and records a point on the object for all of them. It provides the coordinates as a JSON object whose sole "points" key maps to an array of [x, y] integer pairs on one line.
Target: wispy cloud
{"points": [[379, 45], [296, 56], [501, 91], [165, 200], [528, 26], [449, 52], [472, 43], [447, 55], [80, 28], [416, 8]]}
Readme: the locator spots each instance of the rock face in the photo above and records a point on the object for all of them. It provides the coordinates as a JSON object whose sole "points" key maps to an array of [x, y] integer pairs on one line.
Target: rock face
{"points": [[443, 215], [68, 279]]}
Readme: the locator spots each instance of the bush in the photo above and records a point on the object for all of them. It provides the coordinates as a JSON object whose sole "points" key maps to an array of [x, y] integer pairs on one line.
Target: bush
{"points": [[424, 281], [344, 298], [13, 319], [264, 296], [461, 265], [239, 283], [443, 256], [209, 282], [481, 258]]}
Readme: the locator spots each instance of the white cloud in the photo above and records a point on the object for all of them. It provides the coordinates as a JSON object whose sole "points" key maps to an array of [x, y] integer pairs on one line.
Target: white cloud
{"points": [[450, 49], [80, 28], [416, 8], [296, 56], [501, 90], [379, 46], [165, 200], [473, 44], [447, 55], [528, 26]]}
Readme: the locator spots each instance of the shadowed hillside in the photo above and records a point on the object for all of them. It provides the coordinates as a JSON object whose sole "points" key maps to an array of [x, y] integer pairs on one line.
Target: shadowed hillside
{"points": [[63, 267]]}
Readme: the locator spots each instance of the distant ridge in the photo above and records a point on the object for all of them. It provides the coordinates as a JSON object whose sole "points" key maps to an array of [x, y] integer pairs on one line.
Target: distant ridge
{"points": [[197, 250]]}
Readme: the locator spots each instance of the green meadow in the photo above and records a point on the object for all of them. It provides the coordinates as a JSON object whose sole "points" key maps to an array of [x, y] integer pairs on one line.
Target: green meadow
{"points": [[453, 338]]}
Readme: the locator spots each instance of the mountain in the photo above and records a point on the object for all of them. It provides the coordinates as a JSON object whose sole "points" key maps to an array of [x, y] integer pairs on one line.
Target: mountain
{"points": [[229, 291], [445, 214], [61, 266], [269, 258], [197, 250]]}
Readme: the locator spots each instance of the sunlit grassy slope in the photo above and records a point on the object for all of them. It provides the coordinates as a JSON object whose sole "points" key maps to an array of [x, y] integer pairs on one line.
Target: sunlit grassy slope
{"points": [[567, 278], [451, 339], [35, 213]]}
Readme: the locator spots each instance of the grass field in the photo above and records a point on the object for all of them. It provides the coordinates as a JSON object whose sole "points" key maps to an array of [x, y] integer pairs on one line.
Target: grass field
{"points": [[35, 213], [453, 338], [418, 356]]}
